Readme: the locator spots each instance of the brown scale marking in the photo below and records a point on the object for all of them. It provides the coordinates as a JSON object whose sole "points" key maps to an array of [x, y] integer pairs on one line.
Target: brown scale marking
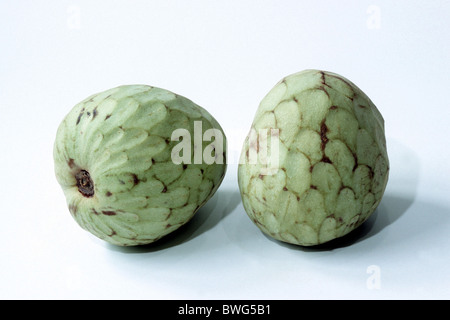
{"points": [[168, 226], [94, 211], [135, 179], [323, 79], [313, 187], [108, 194], [285, 189], [261, 176], [371, 172], [324, 90], [326, 159], [345, 187], [164, 190], [113, 233], [322, 74], [356, 161], [107, 116], [311, 169], [80, 115], [71, 163], [185, 167], [333, 107], [109, 213], [323, 134], [341, 79]]}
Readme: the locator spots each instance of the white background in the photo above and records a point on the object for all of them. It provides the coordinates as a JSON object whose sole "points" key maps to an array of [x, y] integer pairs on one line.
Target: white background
{"points": [[225, 56]]}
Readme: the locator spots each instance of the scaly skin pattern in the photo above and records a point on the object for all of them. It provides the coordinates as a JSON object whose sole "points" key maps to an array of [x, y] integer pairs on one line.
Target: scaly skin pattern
{"points": [[332, 163], [112, 157]]}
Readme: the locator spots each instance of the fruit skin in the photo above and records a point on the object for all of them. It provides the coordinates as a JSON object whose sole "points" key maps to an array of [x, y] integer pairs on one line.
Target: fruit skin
{"points": [[121, 140], [333, 163]]}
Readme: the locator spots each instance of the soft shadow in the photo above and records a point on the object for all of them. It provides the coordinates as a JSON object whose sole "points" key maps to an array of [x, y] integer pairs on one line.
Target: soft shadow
{"points": [[391, 208], [218, 207]]}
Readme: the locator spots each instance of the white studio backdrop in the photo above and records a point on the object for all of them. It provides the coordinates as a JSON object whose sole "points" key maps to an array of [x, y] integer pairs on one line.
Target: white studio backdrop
{"points": [[225, 56]]}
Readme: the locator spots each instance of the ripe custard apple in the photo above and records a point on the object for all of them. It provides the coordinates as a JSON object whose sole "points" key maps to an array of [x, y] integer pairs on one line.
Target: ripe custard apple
{"points": [[117, 158], [314, 165]]}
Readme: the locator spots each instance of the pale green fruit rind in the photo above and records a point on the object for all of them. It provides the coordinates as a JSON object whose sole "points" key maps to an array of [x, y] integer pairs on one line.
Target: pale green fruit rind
{"points": [[333, 163], [122, 137]]}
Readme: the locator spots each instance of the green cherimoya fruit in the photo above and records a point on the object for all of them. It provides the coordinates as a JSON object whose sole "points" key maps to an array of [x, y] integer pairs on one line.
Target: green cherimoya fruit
{"points": [[322, 168], [114, 159]]}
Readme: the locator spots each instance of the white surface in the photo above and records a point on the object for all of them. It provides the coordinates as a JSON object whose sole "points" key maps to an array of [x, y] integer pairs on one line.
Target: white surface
{"points": [[225, 56]]}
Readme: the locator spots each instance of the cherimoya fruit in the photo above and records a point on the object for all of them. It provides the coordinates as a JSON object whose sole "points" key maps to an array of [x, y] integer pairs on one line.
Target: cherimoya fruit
{"points": [[113, 160], [329, 147]]}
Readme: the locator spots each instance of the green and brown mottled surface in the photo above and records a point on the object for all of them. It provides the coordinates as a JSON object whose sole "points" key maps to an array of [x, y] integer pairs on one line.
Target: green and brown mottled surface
{"points": [[333, 164], [113, 161]]}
